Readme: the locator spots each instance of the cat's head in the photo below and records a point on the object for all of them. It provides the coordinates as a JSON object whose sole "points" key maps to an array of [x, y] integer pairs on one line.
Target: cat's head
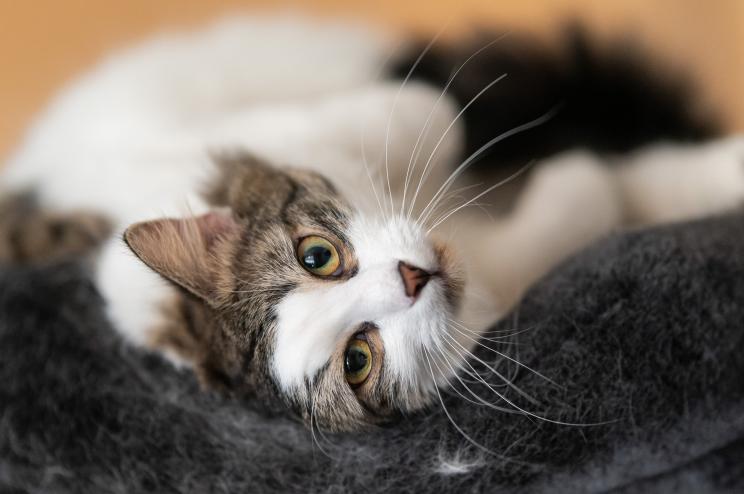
{"points": [[292, 295]]}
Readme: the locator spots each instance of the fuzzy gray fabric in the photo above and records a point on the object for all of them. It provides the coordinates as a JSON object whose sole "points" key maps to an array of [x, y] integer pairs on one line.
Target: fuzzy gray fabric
{"points": [[642, 332]]}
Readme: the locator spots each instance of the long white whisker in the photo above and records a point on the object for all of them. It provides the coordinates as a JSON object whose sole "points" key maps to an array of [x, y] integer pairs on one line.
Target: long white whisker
{"points": [[449, 383], [493, 370], [363, 129], [480, 401], [444, 134], [478, 196], [313, 426], [480, 205], [369, 174], [395, 104], [472, 372], [455, 194], [506, 357], [511, 403], [427, 124], [505, 332], [457, 427], [495, 339], [470, 159], [496, 372]]}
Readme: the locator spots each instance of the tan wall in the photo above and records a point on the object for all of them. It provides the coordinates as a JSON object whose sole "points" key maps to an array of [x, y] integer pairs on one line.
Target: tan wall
{"points": [[44, 43]]}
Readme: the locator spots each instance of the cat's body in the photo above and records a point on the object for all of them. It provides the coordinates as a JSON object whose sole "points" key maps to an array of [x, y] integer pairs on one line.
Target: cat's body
{"points": [[183, 126]]}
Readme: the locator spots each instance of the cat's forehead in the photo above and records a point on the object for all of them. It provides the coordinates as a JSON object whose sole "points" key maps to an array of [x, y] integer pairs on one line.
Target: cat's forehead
{"points": [[263, 194], [315, 205]]}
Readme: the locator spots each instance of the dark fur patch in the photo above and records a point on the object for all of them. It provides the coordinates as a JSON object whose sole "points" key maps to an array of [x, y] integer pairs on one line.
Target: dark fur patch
{"points": [[29, 234], [610, 98]]}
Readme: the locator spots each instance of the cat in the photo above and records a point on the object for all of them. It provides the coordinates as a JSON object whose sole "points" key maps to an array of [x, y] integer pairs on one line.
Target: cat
{"points": [[267, 206]]}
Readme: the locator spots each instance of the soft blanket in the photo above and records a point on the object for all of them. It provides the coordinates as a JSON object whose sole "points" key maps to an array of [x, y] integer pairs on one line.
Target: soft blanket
{"points": [[638, 342]]}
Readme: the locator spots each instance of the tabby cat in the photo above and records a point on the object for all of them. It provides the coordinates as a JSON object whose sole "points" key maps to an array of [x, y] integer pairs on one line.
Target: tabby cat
{"points": [[268, 205]]}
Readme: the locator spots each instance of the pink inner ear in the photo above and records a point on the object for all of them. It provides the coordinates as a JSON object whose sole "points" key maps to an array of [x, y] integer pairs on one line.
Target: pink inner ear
{"points": [[215, 225]]}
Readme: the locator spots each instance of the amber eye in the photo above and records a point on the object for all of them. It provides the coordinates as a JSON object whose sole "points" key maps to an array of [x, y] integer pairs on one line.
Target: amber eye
{"points": [[319, 256], [357, 361]]}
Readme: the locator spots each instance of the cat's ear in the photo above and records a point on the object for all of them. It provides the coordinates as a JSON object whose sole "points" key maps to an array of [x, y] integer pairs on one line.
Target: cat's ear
{"points": [[248, 185], [185, 251]]}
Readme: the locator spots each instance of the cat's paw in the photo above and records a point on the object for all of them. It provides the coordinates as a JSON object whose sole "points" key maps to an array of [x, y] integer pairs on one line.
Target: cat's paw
{"points": [[678, 182], [574, 188]]}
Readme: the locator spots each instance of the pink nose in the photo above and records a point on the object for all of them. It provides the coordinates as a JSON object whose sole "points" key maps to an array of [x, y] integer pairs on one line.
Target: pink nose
{"points": [[414, 279]]}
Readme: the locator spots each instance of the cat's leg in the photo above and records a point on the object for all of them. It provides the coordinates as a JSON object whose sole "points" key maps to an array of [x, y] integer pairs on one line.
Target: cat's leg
{"points": [[569, 202], [682, 181]]}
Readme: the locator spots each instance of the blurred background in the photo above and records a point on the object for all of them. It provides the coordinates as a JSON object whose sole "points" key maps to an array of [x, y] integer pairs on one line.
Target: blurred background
{"points": [[43, 44]]}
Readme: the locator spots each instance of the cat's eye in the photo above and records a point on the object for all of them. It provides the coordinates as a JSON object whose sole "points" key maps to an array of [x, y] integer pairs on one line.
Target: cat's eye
{"points": [[319, 256], [357, 361]]}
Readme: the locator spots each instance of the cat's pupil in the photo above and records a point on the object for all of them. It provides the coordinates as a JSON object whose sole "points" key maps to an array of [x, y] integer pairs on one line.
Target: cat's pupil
{"points": [[356, 360], [316, 257]]}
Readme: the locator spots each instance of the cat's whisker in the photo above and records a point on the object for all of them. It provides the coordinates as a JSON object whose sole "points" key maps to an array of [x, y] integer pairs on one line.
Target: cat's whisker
{"points": [[507, 362], [495, 339], [395, 104], [466, 352], [472, 373], [386, 197], [511, 402], [449, 382], [480, 401], [363, 129], [503, 355], [456, 194], [313, 426], [485, 147], [506, 340], [457, 427], [482, 206], [257, 291], [501, 396], [507, 333], [427, 124], [366, 168], [478, 196], [465, 107], [527, 412], [479, 380], [444, 217]]}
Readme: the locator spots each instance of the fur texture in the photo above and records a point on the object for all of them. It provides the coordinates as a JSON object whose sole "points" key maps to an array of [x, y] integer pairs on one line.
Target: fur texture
{"points": [[608, 97], [135, 135], [642, 331], [252, 320]]}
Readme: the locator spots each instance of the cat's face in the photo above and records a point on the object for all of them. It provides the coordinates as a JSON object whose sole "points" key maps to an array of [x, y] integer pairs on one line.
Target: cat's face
{"points": [[306, 302]]}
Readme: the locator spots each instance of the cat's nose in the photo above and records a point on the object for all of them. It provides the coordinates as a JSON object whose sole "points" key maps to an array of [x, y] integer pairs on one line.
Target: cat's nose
{"points": [[414, 279]]}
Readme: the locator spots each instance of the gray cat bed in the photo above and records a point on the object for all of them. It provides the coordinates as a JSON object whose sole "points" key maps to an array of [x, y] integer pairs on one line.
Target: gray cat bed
{"points": [[641, 333]]}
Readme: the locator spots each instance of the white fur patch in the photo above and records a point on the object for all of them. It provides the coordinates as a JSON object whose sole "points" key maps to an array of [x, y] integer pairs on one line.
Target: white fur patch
{"points": [[457, 464], [130, 138], [311, 324], [674, 182], [133, 292]]}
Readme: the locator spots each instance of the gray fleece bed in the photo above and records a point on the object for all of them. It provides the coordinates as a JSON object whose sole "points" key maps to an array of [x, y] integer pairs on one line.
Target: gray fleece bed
{"points": [[642, 334]]}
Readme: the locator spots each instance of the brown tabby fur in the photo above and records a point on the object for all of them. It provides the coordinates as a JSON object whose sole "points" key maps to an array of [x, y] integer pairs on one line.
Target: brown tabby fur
{"points": [[29, 234], [234, 266]]}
